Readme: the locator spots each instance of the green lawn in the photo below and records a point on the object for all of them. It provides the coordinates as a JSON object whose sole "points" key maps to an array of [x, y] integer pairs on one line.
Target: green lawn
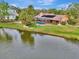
{"points": [[12, 25], [69, 32]]}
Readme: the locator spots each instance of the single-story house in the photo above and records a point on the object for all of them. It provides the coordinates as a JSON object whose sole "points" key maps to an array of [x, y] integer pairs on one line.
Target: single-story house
{"points": [[44, 18]]}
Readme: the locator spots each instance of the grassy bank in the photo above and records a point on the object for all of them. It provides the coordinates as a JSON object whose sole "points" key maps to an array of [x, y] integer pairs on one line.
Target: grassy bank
{"points": [[68, 32], [13, 26], [64, 31]]}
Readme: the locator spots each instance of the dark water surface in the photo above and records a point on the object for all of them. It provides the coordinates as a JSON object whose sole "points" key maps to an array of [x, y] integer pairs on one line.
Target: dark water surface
{"points": [[26, 45]]}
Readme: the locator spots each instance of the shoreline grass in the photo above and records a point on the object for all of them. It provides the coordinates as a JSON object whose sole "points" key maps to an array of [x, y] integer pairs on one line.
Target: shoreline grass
{"points": [[67, 32]]}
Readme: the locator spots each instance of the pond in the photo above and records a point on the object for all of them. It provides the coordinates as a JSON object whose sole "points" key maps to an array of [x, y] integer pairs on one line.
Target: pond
{"points": [[16, 44]]}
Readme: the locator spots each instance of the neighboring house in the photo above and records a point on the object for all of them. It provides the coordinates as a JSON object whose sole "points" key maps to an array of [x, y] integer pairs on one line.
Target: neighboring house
{"points": [[44, 18], [12, 13]]}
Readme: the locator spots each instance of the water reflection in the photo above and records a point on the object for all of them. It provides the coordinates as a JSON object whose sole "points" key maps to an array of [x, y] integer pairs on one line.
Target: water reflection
{"points": [[4, 36], [11, 35], [27, 38], [45, 46], [73, 41]]}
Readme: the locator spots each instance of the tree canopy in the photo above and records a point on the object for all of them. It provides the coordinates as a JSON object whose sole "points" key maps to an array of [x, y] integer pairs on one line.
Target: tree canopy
{"points": [[27, 14], [3, 8]]}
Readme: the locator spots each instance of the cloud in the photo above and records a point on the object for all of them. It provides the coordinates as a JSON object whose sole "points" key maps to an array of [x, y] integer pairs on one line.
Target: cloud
{"points": [[13, 5], [37, 8], [64, 6], [40, 8], [46, 2]]}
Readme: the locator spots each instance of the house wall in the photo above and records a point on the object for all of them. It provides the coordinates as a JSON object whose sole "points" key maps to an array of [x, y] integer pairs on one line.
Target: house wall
{"points": [[12, 17], [47, 21], [64, 18], [12, 14], [55, 20]]}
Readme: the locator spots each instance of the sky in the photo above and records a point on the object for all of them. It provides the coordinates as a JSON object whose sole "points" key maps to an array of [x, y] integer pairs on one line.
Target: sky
{"points": [[42, 4]]}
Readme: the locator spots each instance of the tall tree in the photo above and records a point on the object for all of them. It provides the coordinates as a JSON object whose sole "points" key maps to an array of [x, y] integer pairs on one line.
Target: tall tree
{"points": [[26, 15], [73, 12], [3, 9], [31, 10], [52, 11]]}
